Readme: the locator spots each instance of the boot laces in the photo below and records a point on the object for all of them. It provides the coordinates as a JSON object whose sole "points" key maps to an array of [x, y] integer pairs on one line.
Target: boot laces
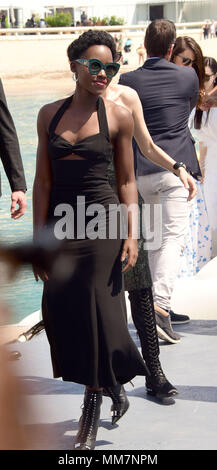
{"points": [[88, 417]]}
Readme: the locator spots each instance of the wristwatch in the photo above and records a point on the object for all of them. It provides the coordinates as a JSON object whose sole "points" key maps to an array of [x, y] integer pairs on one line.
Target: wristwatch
{"points": [[177, 165]]}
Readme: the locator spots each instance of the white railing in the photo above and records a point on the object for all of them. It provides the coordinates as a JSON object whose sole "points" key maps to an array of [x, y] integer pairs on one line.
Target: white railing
{"points": [[197, 26]]}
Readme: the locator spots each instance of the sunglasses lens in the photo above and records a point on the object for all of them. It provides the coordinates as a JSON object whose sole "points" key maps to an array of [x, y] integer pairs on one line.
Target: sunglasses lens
{"points": [[186, 61], [111, 70], [95, 67]]}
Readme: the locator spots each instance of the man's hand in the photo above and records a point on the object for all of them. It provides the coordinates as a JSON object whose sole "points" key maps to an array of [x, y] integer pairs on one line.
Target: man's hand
{"points": [[188, 182], [18, 197]]}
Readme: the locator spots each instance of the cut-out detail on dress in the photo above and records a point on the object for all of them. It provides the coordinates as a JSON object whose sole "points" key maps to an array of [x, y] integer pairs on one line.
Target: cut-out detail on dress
{"points": [[73, 156]]}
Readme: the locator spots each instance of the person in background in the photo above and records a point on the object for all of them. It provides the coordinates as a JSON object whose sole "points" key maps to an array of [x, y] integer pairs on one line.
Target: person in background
{"points": [[204, 125], [197, 251], [141, 54], [167, 93], [84, 18], [127, 45], [42, 23], [120, 48], [3, 20], [206, 29], [28, 23], [13, 166], [138, 280], [11, 158], [33, 23], [188, 53]]}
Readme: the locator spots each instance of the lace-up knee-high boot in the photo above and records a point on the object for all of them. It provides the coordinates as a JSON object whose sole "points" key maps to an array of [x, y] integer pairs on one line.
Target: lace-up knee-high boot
{"points": [[143, 315], [89, 421]]}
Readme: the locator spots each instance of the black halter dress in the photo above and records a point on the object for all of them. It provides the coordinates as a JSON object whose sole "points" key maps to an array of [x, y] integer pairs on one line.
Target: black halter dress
{"points": [[85, 315]]}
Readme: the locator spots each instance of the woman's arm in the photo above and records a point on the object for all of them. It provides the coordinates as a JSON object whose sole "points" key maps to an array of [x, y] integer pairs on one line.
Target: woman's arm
{"points": [[203, 152], [126, 183], [147, 146], [42, 181]]}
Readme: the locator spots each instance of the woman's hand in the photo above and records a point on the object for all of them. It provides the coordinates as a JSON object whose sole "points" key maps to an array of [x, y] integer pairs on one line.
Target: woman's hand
{"points": [[130, 249], [188, 182], [208, 100], [202, 177], [39, 274]]}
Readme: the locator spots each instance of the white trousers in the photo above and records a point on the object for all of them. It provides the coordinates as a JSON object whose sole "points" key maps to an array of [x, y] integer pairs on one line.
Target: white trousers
{"points": [[171, 219]]}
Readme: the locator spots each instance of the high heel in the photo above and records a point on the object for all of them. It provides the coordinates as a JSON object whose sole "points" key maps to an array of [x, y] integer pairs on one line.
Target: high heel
{"points": [[142, 309], [120, 401], [89, 421]]}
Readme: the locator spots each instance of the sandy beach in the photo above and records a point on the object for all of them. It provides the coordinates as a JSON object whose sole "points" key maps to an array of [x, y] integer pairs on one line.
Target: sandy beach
{"points": [[35, 65]]}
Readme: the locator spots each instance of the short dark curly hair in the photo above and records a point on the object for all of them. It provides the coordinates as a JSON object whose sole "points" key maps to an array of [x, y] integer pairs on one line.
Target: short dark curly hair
{"points": [[91, 38]]}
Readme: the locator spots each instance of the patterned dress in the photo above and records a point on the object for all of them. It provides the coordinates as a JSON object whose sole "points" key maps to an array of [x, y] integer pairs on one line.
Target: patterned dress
{"points": [[198, 242]]}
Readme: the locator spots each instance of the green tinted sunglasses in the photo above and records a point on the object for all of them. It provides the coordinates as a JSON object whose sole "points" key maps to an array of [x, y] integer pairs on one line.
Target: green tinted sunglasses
{"points": [[95, 66]]}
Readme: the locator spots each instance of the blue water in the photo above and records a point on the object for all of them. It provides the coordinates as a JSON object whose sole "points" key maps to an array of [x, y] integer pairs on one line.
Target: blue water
{"points": [[23, 295]]}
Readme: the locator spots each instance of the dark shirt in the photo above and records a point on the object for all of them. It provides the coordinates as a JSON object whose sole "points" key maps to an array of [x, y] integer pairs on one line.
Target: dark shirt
{"points": [[168, 93]]}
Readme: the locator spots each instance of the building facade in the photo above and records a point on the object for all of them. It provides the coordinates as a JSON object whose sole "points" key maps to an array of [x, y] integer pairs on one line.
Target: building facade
{"points": [[176, 10], [143, 11], [133, 11]]}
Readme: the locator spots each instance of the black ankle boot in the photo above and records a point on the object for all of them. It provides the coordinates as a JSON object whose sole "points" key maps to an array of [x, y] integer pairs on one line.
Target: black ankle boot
{"points": [[142, 309], [120, 401], [89, 421]]}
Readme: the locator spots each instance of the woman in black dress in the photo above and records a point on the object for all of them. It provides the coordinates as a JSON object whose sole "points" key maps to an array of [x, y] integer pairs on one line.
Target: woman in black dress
{"points": [[85, 315]]}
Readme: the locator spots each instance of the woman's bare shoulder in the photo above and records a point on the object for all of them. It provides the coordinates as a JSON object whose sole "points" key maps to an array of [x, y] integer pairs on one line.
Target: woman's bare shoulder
{"points": [[116, 109], [127, 95], [47, 111], [119, 117], [124, 89]]}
